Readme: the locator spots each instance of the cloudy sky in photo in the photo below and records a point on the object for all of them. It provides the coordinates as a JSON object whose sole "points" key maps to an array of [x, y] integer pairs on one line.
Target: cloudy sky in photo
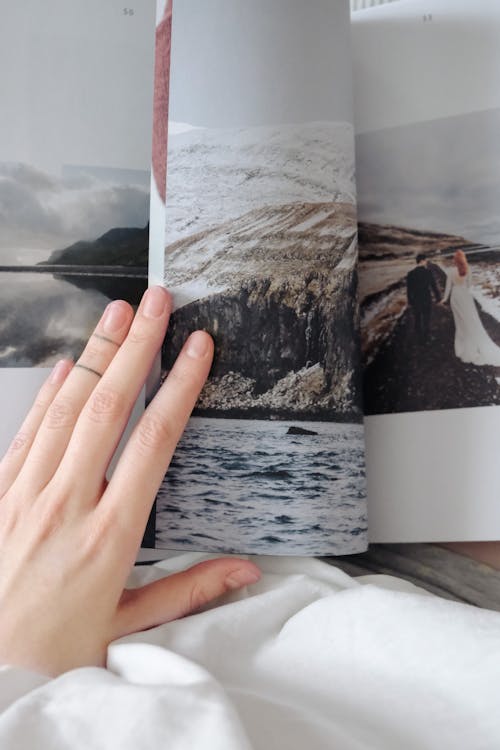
{"points": [[442, 175], [41, 212], [78, 92]]}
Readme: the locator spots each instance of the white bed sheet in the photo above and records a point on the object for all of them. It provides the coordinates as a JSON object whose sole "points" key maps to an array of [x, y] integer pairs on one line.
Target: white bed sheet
{"points": [[307, 659]]}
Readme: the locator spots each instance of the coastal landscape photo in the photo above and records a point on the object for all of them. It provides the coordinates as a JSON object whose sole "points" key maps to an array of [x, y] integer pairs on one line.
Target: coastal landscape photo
{"points": [[270, 271], [75, 154], [430, 190], [68, 244], [261, 251]]}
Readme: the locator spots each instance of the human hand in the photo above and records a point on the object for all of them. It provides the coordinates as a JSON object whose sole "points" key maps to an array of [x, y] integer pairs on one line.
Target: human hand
{"points": [[68, 539]]}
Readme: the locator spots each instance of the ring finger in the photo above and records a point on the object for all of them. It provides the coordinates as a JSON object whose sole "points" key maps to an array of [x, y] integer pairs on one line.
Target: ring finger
{"points": [[58, 423]]}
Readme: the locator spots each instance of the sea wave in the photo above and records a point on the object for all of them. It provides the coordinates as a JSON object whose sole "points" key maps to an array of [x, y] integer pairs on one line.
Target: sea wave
{"points": [[247, 486]]}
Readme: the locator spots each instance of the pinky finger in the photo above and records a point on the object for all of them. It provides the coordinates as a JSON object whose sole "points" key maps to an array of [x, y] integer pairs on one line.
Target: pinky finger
{"points": [[20, 446]]}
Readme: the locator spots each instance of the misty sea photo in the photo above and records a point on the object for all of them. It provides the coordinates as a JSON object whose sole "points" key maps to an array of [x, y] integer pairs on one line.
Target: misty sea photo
{"points": [[75, 156], [72, 244]]}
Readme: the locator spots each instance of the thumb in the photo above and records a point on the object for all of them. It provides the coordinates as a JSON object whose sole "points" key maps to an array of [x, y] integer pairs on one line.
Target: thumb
{"points": [[181, 593]]}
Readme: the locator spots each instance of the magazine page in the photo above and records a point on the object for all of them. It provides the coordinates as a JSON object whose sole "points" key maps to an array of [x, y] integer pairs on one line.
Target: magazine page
{"points": [[427, 101], [75, 164], [260, 250]]}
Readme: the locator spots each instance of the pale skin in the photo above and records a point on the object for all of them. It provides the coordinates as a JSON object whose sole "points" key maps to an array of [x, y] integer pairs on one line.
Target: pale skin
{"points": [[68, 539]]}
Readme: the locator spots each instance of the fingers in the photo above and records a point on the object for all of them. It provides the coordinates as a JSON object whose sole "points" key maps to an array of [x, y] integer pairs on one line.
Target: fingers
{"points": [[147, 455], [105, 415], [23, 440], [182, 593], [60, 418]]}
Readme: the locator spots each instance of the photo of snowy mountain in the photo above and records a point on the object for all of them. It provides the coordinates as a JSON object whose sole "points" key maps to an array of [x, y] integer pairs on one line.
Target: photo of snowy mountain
{"points": [[215, 175], [261, 246], [261, 251]]}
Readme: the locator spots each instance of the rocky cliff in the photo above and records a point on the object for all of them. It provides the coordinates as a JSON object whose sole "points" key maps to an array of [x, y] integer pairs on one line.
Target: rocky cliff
{"points": [[285, 323]]}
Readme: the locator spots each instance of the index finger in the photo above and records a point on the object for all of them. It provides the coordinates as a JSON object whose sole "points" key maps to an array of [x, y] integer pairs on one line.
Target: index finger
{"points": [[147, 455]]}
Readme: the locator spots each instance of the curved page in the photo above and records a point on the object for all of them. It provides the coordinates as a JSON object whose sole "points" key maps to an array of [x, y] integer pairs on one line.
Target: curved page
{"points": [[427, 92], [260, 250]]}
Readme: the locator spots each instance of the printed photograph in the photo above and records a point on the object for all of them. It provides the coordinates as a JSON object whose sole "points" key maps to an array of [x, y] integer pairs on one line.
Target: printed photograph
{"points": [[75, 155], [261, 251], [68, 245], [429, 238]]}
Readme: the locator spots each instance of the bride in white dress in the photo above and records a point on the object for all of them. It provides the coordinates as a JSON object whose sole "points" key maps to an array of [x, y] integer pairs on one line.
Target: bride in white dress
{"points": [[472, 343]]}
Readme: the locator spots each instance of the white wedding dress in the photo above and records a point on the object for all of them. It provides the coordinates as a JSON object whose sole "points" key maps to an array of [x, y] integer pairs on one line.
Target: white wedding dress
{"points": [[472, 343]]}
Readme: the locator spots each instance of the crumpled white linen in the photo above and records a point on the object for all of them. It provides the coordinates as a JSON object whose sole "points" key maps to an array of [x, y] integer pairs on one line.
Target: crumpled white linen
{"points": [[307, 659]]}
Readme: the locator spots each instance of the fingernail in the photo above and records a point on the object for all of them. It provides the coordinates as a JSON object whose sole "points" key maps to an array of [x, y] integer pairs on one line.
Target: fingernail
{"points": [[155, 302], [61, 369], [242, 577], [197, 345], [115, 316]]}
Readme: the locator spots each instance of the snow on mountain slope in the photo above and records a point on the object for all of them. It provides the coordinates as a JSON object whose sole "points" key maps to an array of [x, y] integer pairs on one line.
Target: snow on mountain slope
{"points": [[218, 175], [279, 243], [238, 198]]}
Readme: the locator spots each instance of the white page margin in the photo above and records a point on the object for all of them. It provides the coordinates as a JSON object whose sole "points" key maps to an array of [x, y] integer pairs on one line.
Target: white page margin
{"points": [[430, 494]]}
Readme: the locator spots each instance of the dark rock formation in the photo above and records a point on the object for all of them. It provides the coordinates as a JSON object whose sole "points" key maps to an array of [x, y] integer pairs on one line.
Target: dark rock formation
{"points": [[300, 431], [286, 338], [131, 290], [122, 246]]}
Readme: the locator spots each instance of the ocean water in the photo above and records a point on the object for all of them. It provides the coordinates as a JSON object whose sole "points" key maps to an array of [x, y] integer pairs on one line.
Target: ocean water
{"points": [[246, 486]]}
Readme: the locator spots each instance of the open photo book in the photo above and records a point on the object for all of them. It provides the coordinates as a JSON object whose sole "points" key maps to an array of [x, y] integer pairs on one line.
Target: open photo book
{"points": [[319, 190]]}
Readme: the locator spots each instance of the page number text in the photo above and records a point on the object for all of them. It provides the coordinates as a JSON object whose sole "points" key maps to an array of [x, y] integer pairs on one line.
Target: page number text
{"points": [[427, 17], [128, 12]]}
